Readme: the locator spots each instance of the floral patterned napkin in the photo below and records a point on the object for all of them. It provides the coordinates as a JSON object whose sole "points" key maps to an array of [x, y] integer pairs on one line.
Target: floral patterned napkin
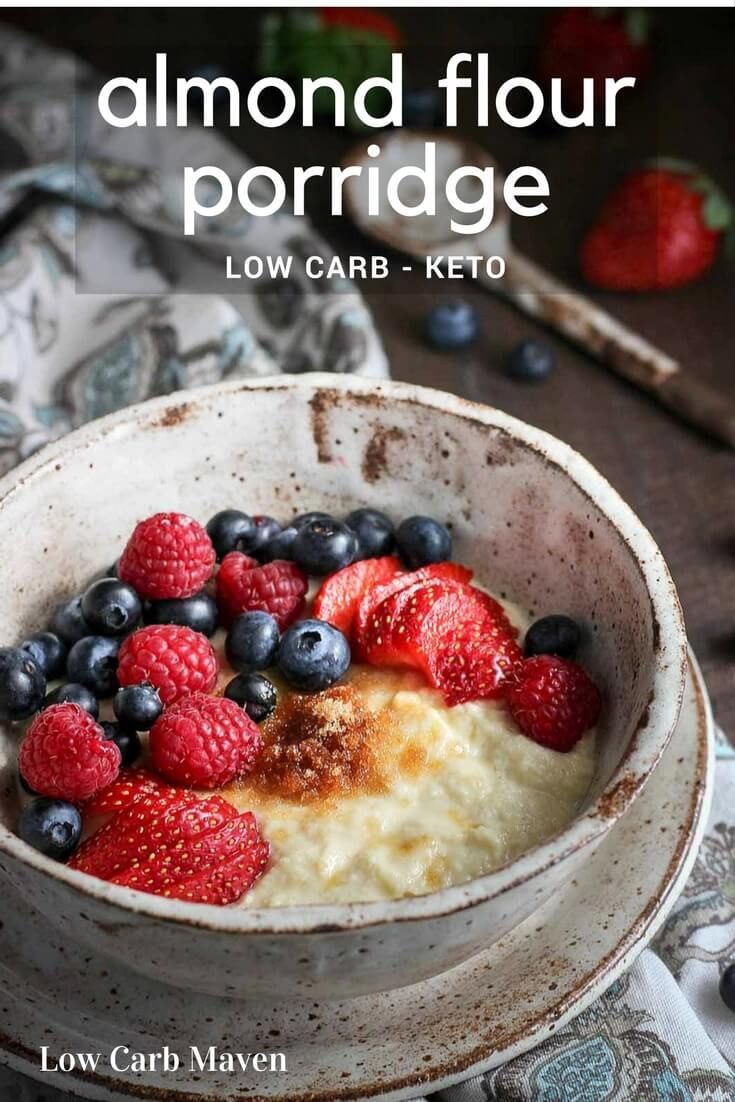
{"points": [[103, 302], [96, 312]]}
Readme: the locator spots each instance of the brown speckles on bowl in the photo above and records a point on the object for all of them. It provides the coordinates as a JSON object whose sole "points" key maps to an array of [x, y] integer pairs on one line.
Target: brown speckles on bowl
{"points": [[375, 457]]}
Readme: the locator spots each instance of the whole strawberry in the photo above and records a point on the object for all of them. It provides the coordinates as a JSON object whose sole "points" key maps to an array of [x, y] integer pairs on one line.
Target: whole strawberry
{"points": [[243, 585], [176, 660], [596, 43], [65, 754], [204, 742], [168, 555], [553, 701], [660, 228]]}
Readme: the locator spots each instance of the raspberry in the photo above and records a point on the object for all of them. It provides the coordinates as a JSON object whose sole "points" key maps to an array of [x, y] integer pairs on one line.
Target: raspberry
{"points": [[204, 742], [168, 555], [174, 659], [66, 756], [553, 701], [243, 585]]}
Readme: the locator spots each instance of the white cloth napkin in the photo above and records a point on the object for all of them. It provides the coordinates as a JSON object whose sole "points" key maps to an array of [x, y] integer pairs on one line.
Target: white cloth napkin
{"points": [[93, 316]]}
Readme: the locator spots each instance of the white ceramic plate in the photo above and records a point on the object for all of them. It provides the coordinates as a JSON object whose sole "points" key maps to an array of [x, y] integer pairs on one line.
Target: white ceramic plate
{"points": [[558, 961]]}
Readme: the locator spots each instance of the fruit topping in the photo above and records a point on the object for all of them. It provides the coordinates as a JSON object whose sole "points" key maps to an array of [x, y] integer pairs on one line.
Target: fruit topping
{"points": [[322, 546], [556, 634], [65, 754], [163, 816], [252, 642], [53, 827], [175, 660], [255, 693], [93, 662], [22, 684], [111, 607], [313, 655], [230, 530], [374, 530], [168, 555], [553, 701], [373, 596], [243, 585], [125, 738], [137, 706], [422, 540], [74, 693], [48, 651], [175, 844], [198, 612], [204, 742], [127, 787], [340, 594], [68, 622]]}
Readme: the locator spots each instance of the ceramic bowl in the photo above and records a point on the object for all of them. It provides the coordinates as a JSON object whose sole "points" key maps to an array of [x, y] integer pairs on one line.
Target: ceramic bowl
{"points": [[533, 518]]}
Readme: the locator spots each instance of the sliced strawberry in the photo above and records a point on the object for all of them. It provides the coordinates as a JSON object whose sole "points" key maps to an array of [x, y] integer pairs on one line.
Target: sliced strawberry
{"points": [[129, 786], [392, 635], [372, 598], [226, 882], [166, 817], [458, 636], [473, 661], [233, 854], [338, 598]]}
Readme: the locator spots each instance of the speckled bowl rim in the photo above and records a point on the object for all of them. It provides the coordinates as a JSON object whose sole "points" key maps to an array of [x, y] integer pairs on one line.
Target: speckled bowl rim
{"points": [[647, 744]]}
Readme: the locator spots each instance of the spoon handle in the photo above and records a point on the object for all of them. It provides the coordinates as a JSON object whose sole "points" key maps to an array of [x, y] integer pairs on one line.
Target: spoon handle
{"points": [[547, 299]]}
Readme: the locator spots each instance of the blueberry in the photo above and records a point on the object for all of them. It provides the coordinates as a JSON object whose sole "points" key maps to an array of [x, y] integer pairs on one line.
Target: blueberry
{"points": [[727, 987], [530, 361], [453, 324], [137, 706], [47, 651], [22, 684], [93, 662], [553, 635], [253, 692], [53, 827], [111, 607], [68, 622], [74, 693], [266, 530], [198, 612], [323, 546], [252, 642], [313, 655], [126, 739], [228, 529], [422, 540], [374, 531], [306, 518], [279, 547]]}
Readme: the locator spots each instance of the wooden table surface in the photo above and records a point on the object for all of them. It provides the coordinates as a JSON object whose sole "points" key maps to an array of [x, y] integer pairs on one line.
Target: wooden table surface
{"points": [[681, 486]]}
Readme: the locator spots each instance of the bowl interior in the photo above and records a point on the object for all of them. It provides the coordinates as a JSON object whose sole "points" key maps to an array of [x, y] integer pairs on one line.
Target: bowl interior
{"points": [[520, 506]]}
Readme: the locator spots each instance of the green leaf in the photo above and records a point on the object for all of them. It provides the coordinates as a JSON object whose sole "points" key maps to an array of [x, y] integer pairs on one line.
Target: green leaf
{"points": [[716, 211]]}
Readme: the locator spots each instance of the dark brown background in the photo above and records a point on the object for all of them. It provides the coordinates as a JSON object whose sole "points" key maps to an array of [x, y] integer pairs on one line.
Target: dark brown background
{"points": [[681, 485]]}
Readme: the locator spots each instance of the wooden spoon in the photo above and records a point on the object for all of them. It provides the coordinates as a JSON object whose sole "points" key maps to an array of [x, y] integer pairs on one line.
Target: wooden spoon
{"points": [[524, 283]]}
